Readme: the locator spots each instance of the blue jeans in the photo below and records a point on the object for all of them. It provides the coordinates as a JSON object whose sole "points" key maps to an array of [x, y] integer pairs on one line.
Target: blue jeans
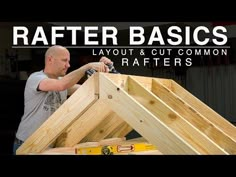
{"points": [[16, 145]]}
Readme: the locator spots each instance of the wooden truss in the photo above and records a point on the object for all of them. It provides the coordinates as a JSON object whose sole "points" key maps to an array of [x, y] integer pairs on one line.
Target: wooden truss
{"points": [[160, 110]]}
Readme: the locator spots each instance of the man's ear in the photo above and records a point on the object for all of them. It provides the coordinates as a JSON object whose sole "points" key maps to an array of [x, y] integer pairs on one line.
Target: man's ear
{"points": [[49, 58]]}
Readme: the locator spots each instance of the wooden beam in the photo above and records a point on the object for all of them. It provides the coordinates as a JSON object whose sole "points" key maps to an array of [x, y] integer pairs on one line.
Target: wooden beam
{"points": [[120, 80], [85, 124], [193, 117], [205, 110], [142, 120], [61, 119], [87, 144], [172, 119], [109, 123], [137, 140], [111, 141], [120, 131], [149, 152], [59, 151]]}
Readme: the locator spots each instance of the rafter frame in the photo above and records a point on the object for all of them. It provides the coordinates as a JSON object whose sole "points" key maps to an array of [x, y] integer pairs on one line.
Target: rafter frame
{"points": [[160, 110]]}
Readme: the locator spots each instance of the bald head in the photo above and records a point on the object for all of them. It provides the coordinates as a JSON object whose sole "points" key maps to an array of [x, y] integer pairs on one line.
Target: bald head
{"points": [[55, 51], [57, 61]]}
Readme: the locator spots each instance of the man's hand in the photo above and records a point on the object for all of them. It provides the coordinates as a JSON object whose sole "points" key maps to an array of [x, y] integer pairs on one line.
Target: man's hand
{"points": [[99, 66], [106, 60]]}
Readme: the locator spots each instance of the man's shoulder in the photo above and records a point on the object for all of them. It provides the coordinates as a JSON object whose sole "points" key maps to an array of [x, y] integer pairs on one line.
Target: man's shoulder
{"points": [[37, 74]]}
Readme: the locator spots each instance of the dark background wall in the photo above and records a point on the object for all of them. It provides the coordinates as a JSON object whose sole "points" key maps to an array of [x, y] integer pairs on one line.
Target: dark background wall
{"points": [[12, 106]]}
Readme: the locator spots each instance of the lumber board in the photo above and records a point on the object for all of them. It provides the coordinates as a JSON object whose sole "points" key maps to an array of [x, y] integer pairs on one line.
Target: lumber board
{"points": [[194, 117], [85, 124], [105, 127], [111, 141], [120, 80], [149, 152], [61, 119], [172, 119], [205, 110], [87, 144], [59, 151], [137, 140], [121, 130], [142, 120]]}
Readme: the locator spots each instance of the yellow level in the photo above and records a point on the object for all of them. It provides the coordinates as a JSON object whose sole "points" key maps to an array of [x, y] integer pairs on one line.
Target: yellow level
{"points": [[115, 149]]}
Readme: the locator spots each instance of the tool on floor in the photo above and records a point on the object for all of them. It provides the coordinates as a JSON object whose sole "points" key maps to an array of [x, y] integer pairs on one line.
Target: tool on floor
{"points": [[115, 149]]}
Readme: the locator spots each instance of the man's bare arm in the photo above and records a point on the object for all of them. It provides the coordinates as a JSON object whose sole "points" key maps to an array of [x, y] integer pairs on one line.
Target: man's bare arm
{"points": [[70, 79], [73, 89]]}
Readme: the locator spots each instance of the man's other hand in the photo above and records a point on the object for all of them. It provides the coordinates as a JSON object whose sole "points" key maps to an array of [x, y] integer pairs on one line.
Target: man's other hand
{"points": [[106, 60]]}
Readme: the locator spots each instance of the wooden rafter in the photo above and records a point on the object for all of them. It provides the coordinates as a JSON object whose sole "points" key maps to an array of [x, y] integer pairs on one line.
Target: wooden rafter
{"points": [[62, 118], [84, 124], [142, 120], [204, 109], [160, 110], [101, 131], [194, 117]]}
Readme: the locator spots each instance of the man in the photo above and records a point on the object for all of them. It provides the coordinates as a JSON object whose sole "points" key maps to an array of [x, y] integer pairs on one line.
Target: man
{"points": [[46, 90]]}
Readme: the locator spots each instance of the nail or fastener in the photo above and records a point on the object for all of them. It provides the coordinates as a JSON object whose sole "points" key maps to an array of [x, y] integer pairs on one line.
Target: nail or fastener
{"points": [[110, 96]]}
